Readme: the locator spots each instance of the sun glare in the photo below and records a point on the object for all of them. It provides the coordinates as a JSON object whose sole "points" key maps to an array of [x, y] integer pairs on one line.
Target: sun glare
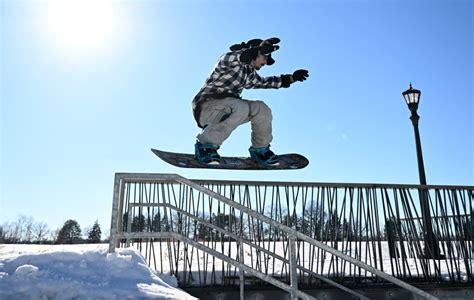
{"points": [[81, 25]]}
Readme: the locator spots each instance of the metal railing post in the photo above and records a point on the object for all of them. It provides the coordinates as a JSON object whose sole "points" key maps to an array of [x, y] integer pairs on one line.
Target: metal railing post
{"points": [[293, 263], [115, 220], [241, 271]]}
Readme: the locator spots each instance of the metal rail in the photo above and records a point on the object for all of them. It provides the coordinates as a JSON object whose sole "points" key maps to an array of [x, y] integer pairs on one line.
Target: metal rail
{"points": [[293, 233], [171, 235], [292, 220], [361, 220], [241, 242]]}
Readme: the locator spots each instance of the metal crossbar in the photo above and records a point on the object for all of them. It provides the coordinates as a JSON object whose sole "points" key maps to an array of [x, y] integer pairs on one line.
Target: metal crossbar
{"points": [[171, 235], [256, 223], [242, 242]]}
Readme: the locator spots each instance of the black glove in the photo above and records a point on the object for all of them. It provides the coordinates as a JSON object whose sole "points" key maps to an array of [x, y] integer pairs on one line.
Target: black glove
{"points": [[300, 75]]}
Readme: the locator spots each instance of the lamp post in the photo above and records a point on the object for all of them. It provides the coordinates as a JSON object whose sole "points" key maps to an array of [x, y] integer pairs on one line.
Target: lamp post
{"points": [[412, 98]]}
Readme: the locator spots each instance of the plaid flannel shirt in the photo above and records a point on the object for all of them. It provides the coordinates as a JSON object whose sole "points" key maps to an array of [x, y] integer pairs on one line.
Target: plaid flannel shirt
{"points": [[230, 76]]}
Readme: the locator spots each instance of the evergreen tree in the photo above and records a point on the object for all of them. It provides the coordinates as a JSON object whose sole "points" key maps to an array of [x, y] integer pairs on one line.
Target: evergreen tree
{"points": [[333, 227], [138, 223], [94, 235], [70, 233]]}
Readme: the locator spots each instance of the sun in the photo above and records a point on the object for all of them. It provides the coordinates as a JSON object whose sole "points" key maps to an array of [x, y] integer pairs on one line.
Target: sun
{"points": [[81, 25]]}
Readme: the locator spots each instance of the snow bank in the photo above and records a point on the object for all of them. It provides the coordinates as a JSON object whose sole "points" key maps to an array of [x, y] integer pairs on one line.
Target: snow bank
{"points": [[80, 272]]}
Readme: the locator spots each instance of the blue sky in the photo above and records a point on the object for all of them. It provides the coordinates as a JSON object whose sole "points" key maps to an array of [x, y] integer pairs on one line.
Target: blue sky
{"points": [[87, 92]]}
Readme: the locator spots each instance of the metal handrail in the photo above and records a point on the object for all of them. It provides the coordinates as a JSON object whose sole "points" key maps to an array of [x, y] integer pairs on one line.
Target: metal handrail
{"points": [[292, 232], [244, 241], [221, 256], [151, 177], [120, 178]]}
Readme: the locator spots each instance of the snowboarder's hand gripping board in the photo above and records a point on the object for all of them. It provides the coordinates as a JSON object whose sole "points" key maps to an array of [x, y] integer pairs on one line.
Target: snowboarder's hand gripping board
{"points": [[183, 160]]}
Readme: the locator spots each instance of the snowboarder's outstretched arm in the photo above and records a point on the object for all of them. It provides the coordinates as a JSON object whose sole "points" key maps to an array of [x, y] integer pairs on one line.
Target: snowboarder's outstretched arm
{"points": [[255, 81]]}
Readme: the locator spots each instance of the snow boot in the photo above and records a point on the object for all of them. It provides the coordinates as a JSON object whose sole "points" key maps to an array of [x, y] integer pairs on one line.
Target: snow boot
{"points": [[207, 153], [264, 156]]}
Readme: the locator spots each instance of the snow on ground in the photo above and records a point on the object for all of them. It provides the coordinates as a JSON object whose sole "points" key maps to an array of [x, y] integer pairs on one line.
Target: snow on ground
{"points": [[80, 272], [203, 267]]}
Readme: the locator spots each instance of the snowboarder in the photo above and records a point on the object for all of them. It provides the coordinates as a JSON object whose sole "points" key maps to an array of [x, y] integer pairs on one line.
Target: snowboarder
{"points": [[219, 109]]}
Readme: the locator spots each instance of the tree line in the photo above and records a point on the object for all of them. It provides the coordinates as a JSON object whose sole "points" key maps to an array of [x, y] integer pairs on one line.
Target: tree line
{"points": [[322, 226], [25, 230]]}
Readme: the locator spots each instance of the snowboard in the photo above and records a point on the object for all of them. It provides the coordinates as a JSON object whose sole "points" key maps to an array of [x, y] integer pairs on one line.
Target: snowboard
{"points": [[184, 160]]}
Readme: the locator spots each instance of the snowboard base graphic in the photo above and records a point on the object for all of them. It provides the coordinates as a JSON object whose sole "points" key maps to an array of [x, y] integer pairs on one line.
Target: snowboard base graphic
{"points": [[290, 161]]}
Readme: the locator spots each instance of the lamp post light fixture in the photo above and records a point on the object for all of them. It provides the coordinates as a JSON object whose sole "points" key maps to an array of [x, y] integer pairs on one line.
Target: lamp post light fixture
{"points": [[412, 98]]}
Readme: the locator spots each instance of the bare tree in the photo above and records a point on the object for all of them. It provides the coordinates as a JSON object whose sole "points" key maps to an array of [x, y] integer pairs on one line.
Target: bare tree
{"points": [[2, 240], [107, 235], [40, 232], [28, 224], [23, 230], [12, 232], [53, 235]]}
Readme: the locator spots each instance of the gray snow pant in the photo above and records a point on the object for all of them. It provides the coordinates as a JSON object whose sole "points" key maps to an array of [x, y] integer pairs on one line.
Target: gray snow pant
{"points": [[220, 117]]}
